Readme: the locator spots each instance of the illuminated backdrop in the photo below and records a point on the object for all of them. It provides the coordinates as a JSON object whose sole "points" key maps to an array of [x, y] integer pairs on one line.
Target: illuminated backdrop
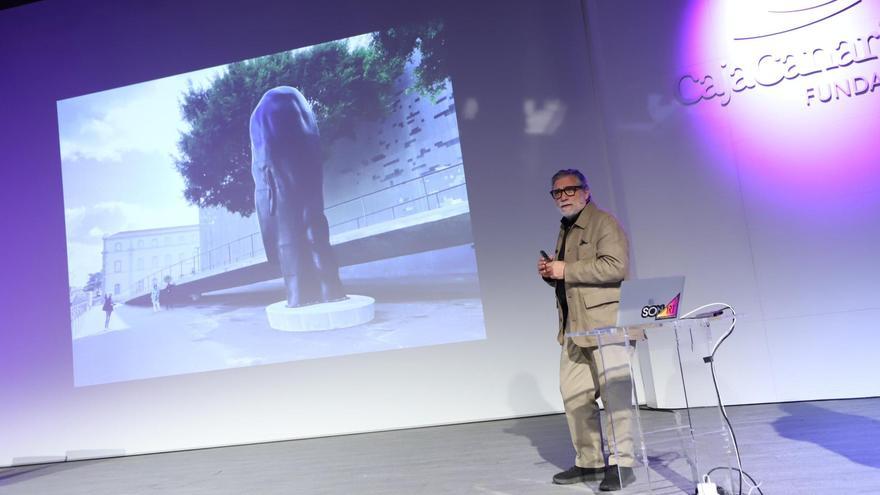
{"points": [[793, 84]]}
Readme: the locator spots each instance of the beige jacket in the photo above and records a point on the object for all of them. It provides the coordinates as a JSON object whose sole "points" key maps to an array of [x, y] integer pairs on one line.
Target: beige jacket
{"points": [[596, 262]]}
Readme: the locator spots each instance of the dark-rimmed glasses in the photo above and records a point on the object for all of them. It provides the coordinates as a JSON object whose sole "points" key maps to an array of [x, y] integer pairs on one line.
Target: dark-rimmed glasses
{"points": [[569, 191]]}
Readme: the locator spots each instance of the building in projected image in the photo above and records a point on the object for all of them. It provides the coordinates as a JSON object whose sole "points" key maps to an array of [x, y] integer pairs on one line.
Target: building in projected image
{"points": [[134, 260]]}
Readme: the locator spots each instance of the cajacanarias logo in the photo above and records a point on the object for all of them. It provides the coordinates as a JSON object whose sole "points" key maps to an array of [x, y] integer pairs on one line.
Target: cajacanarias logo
{"points": [[666, 311], [772, 68]]}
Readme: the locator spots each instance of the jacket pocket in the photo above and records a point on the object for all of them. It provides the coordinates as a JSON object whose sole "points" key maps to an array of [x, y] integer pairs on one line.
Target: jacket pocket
{"points": [[602, 315], [597, 296], [586, 251]]}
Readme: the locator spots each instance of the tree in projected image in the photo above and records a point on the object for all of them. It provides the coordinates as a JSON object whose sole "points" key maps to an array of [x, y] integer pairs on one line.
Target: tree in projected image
{"points": [[344, 86], [95, 282]]}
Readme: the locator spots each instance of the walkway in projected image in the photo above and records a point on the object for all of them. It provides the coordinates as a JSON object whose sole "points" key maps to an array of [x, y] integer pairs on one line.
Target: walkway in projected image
{"points": [[228, 328]]}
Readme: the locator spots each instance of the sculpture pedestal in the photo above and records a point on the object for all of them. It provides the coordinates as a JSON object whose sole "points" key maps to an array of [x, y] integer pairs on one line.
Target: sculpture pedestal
{"points": [[353, 311]]}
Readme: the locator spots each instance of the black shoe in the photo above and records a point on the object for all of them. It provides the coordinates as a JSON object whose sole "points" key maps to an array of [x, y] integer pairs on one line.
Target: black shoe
{"points": [[577, 474], [615, 480]]}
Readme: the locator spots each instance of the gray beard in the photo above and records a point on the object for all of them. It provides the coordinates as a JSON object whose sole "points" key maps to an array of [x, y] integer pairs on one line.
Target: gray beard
{"points": [[575, 214]]}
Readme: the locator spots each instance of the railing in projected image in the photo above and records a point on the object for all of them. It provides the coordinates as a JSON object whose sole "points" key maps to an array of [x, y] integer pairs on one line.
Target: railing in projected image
{"points": [[415, 196], [403, 209], [409, 197], [78, 309]]}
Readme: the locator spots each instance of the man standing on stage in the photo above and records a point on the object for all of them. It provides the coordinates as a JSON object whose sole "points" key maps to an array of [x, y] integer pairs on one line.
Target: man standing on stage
{"points": [[590, 263]]}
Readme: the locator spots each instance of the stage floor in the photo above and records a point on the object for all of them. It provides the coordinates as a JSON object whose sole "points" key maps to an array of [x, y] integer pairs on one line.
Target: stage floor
{"points": [[824, 447]]}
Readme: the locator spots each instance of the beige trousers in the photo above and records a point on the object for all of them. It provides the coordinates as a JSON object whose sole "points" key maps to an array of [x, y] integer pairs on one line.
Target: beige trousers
{"points": [[582, 380]]}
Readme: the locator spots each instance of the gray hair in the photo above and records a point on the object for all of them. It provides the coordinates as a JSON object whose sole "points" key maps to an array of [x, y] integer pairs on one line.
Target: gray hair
{"points": [[570, 172]]}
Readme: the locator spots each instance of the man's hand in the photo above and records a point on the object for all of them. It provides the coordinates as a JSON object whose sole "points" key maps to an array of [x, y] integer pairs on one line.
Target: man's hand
{"points": [[551, 269]]}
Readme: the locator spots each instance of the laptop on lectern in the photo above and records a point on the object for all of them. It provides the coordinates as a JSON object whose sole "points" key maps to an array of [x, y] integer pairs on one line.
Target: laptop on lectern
{"points": [[649, 300]]}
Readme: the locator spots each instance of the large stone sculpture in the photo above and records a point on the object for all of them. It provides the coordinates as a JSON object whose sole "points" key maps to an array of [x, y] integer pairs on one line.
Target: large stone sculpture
{"points": [[289, 195]]}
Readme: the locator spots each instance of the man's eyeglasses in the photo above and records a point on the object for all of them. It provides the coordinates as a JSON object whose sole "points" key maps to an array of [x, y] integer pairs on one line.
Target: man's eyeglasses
{"points": [[569, 191]]}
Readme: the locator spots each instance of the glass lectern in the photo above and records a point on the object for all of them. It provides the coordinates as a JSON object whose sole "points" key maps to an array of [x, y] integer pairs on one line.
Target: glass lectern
{"points": [[669, 449]]}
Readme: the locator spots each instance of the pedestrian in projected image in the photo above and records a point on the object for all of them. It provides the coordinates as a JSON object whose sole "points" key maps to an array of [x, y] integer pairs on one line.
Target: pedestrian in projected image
{"points": [[168, 296], [590, 263], [108, 309], [154, 297]]}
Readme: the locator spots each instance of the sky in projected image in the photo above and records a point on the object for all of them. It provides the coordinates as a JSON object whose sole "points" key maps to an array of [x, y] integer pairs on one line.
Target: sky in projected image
{"points": [[793, 84], [160, 210]]}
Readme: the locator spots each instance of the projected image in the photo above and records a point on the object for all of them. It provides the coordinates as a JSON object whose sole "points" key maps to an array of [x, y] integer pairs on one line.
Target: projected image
{"points": [[304, 204]]}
